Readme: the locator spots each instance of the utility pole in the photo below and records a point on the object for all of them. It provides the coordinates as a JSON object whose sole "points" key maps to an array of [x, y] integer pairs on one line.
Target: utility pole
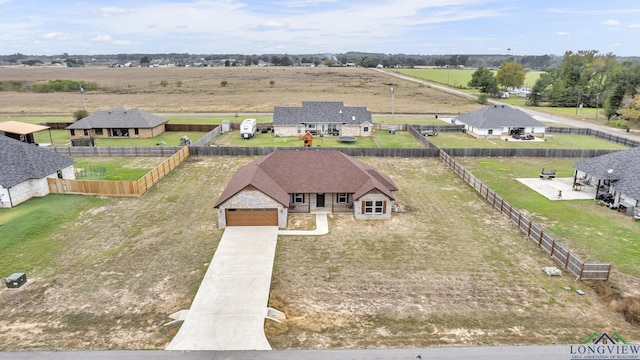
{"points": [[392, 103], [82, 95], [597, 105]]}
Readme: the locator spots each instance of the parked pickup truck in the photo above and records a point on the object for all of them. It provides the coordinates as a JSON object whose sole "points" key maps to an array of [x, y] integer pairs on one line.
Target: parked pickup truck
{"points": [[429, 132]]}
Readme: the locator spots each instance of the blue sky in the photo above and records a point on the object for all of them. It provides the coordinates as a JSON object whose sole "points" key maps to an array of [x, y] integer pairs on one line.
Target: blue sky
{"points": [[429, 27]]}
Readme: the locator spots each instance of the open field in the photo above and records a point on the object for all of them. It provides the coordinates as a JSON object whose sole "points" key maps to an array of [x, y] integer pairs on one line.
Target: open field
{"points": [[248, 90], [448, 271], [553, 141], [458, 78]]}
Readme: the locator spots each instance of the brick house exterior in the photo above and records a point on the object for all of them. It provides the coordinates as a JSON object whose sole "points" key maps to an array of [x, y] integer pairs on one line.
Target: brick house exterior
{"points": [[265, 191], [496, 121], [24, 169], [118, 122], [322, 118]]}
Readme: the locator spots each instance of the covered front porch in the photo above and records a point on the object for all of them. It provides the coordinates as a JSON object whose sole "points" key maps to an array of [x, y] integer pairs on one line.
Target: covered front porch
{"points": [[325, 202]]}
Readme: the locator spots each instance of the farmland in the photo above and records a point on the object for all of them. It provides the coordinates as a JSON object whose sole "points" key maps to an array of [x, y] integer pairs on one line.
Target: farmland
{"points": [[458, 78]]}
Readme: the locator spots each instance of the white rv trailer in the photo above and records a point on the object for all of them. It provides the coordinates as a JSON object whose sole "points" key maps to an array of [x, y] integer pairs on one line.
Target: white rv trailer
{"points": [[248, 128]]}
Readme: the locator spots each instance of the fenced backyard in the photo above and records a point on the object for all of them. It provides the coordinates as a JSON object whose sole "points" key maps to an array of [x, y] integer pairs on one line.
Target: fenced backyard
{"points": [[535, 233], [119, 187]]}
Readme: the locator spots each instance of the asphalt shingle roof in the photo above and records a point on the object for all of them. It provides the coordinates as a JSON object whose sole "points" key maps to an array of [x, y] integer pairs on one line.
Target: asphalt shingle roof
{"points": [[494, 116], [321, 112], [287, 172], [119, 118], [20, 161], [621, 166]]}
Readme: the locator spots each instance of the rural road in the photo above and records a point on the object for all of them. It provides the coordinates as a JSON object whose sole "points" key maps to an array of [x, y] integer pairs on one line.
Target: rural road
{"points": [[552, 352]]}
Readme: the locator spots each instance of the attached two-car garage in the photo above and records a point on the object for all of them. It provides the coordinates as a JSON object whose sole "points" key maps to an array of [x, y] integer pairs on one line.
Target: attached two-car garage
{"points": [[252, 217]]}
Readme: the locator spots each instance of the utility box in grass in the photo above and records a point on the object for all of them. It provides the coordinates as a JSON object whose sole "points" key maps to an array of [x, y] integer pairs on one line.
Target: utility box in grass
{"points": [[16, 280]]}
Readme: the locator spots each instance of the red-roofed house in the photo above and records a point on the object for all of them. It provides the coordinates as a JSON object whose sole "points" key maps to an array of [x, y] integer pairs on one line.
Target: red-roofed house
{"points": [[263, 192]]}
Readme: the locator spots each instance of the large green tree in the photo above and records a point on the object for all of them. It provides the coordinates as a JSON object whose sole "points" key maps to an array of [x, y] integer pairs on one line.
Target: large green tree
{"points": [[484, 80], [510, 74], [632, 112]]}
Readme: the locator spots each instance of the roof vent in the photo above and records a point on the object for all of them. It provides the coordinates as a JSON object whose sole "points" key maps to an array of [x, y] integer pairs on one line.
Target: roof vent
{"points": [[353, 117]]}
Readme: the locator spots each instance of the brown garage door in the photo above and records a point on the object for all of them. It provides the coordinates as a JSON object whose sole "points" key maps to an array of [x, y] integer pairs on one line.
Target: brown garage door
{"points": [[252, 217]]}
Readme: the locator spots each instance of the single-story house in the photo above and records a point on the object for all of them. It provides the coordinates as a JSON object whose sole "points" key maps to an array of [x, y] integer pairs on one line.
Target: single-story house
{"points": [[263, 192], [616, 174], [322, 118], [24, 169], [496, 121], [22, 131], [118, 122]]}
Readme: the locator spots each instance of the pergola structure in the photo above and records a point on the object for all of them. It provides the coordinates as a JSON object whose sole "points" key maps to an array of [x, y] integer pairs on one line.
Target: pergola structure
{"points": [[23, 131]]}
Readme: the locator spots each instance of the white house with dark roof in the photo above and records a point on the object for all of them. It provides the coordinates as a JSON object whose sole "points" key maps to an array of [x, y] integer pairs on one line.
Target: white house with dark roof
{"points": [[616, 173], [496, 121], [263, 192], [322, 118], [118, 122], [24, 169]]}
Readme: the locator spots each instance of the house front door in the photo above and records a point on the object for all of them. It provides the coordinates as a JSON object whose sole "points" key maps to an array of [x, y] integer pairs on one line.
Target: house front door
{"points": [[320, 200]]}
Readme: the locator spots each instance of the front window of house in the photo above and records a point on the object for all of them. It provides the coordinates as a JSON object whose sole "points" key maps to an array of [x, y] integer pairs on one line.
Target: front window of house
{"points": [[86, 132], [136, 131], [297, 198], [366, 129], [343, 198], [373, 207], [98, 131], [73, 132], [490, 131]]}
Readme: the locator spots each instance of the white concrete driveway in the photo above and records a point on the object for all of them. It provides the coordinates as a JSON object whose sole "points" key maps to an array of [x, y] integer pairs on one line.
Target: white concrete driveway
{"points": [[229, 309]]}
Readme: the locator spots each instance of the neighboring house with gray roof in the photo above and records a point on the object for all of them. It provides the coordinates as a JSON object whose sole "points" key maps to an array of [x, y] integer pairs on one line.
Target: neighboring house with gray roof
{"points": [[263, 192], [118, 122], [24, 169], [617, 173], [499, 121], [322, 118]]}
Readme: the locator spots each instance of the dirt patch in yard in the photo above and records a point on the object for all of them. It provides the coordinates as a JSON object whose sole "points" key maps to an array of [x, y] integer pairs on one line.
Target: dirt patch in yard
{"points": [[448, 271]]}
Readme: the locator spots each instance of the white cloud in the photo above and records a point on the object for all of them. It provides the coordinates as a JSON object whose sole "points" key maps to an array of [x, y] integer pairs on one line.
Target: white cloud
{"points": [[634, 25], [109, 39], [271, 25], [111, 10], [60, 36], [611, 23], [563, 33], [102, 38]]}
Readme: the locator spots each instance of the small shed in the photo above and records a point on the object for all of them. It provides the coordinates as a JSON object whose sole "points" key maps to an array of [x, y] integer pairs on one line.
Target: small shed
{"points": [[225, 126], [16, 280]]}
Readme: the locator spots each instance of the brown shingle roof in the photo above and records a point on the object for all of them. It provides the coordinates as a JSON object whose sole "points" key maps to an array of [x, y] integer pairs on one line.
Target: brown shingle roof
{"points": [[286, 172]]}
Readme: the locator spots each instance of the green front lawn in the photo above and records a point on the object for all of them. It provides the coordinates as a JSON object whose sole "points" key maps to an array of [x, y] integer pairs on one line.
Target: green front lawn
{"points": [[27, 230], [168, 138], [596, 233], [381, 139], [554, 141], [114, 168]]}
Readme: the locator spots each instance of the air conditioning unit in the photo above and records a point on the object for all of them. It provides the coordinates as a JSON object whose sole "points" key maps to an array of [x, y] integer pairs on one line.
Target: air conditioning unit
{"points": [[16, 280]]}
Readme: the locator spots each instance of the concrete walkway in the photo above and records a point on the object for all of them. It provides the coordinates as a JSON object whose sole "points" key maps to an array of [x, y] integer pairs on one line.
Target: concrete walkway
{"points": [[322, 227], [229, 309]]}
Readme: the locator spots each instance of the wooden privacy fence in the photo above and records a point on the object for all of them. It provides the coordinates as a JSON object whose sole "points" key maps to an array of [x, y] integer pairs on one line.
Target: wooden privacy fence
{"points": [[535, 233], [150, 151], [261, 151], [544, 153], [122, 187], [595, 133]]}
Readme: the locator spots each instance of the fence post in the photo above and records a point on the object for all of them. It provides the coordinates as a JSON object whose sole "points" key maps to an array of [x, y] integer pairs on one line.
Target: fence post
{"points": [[582, 271], [566, 262], [540, 239], [529, 229], [553, 247]]}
